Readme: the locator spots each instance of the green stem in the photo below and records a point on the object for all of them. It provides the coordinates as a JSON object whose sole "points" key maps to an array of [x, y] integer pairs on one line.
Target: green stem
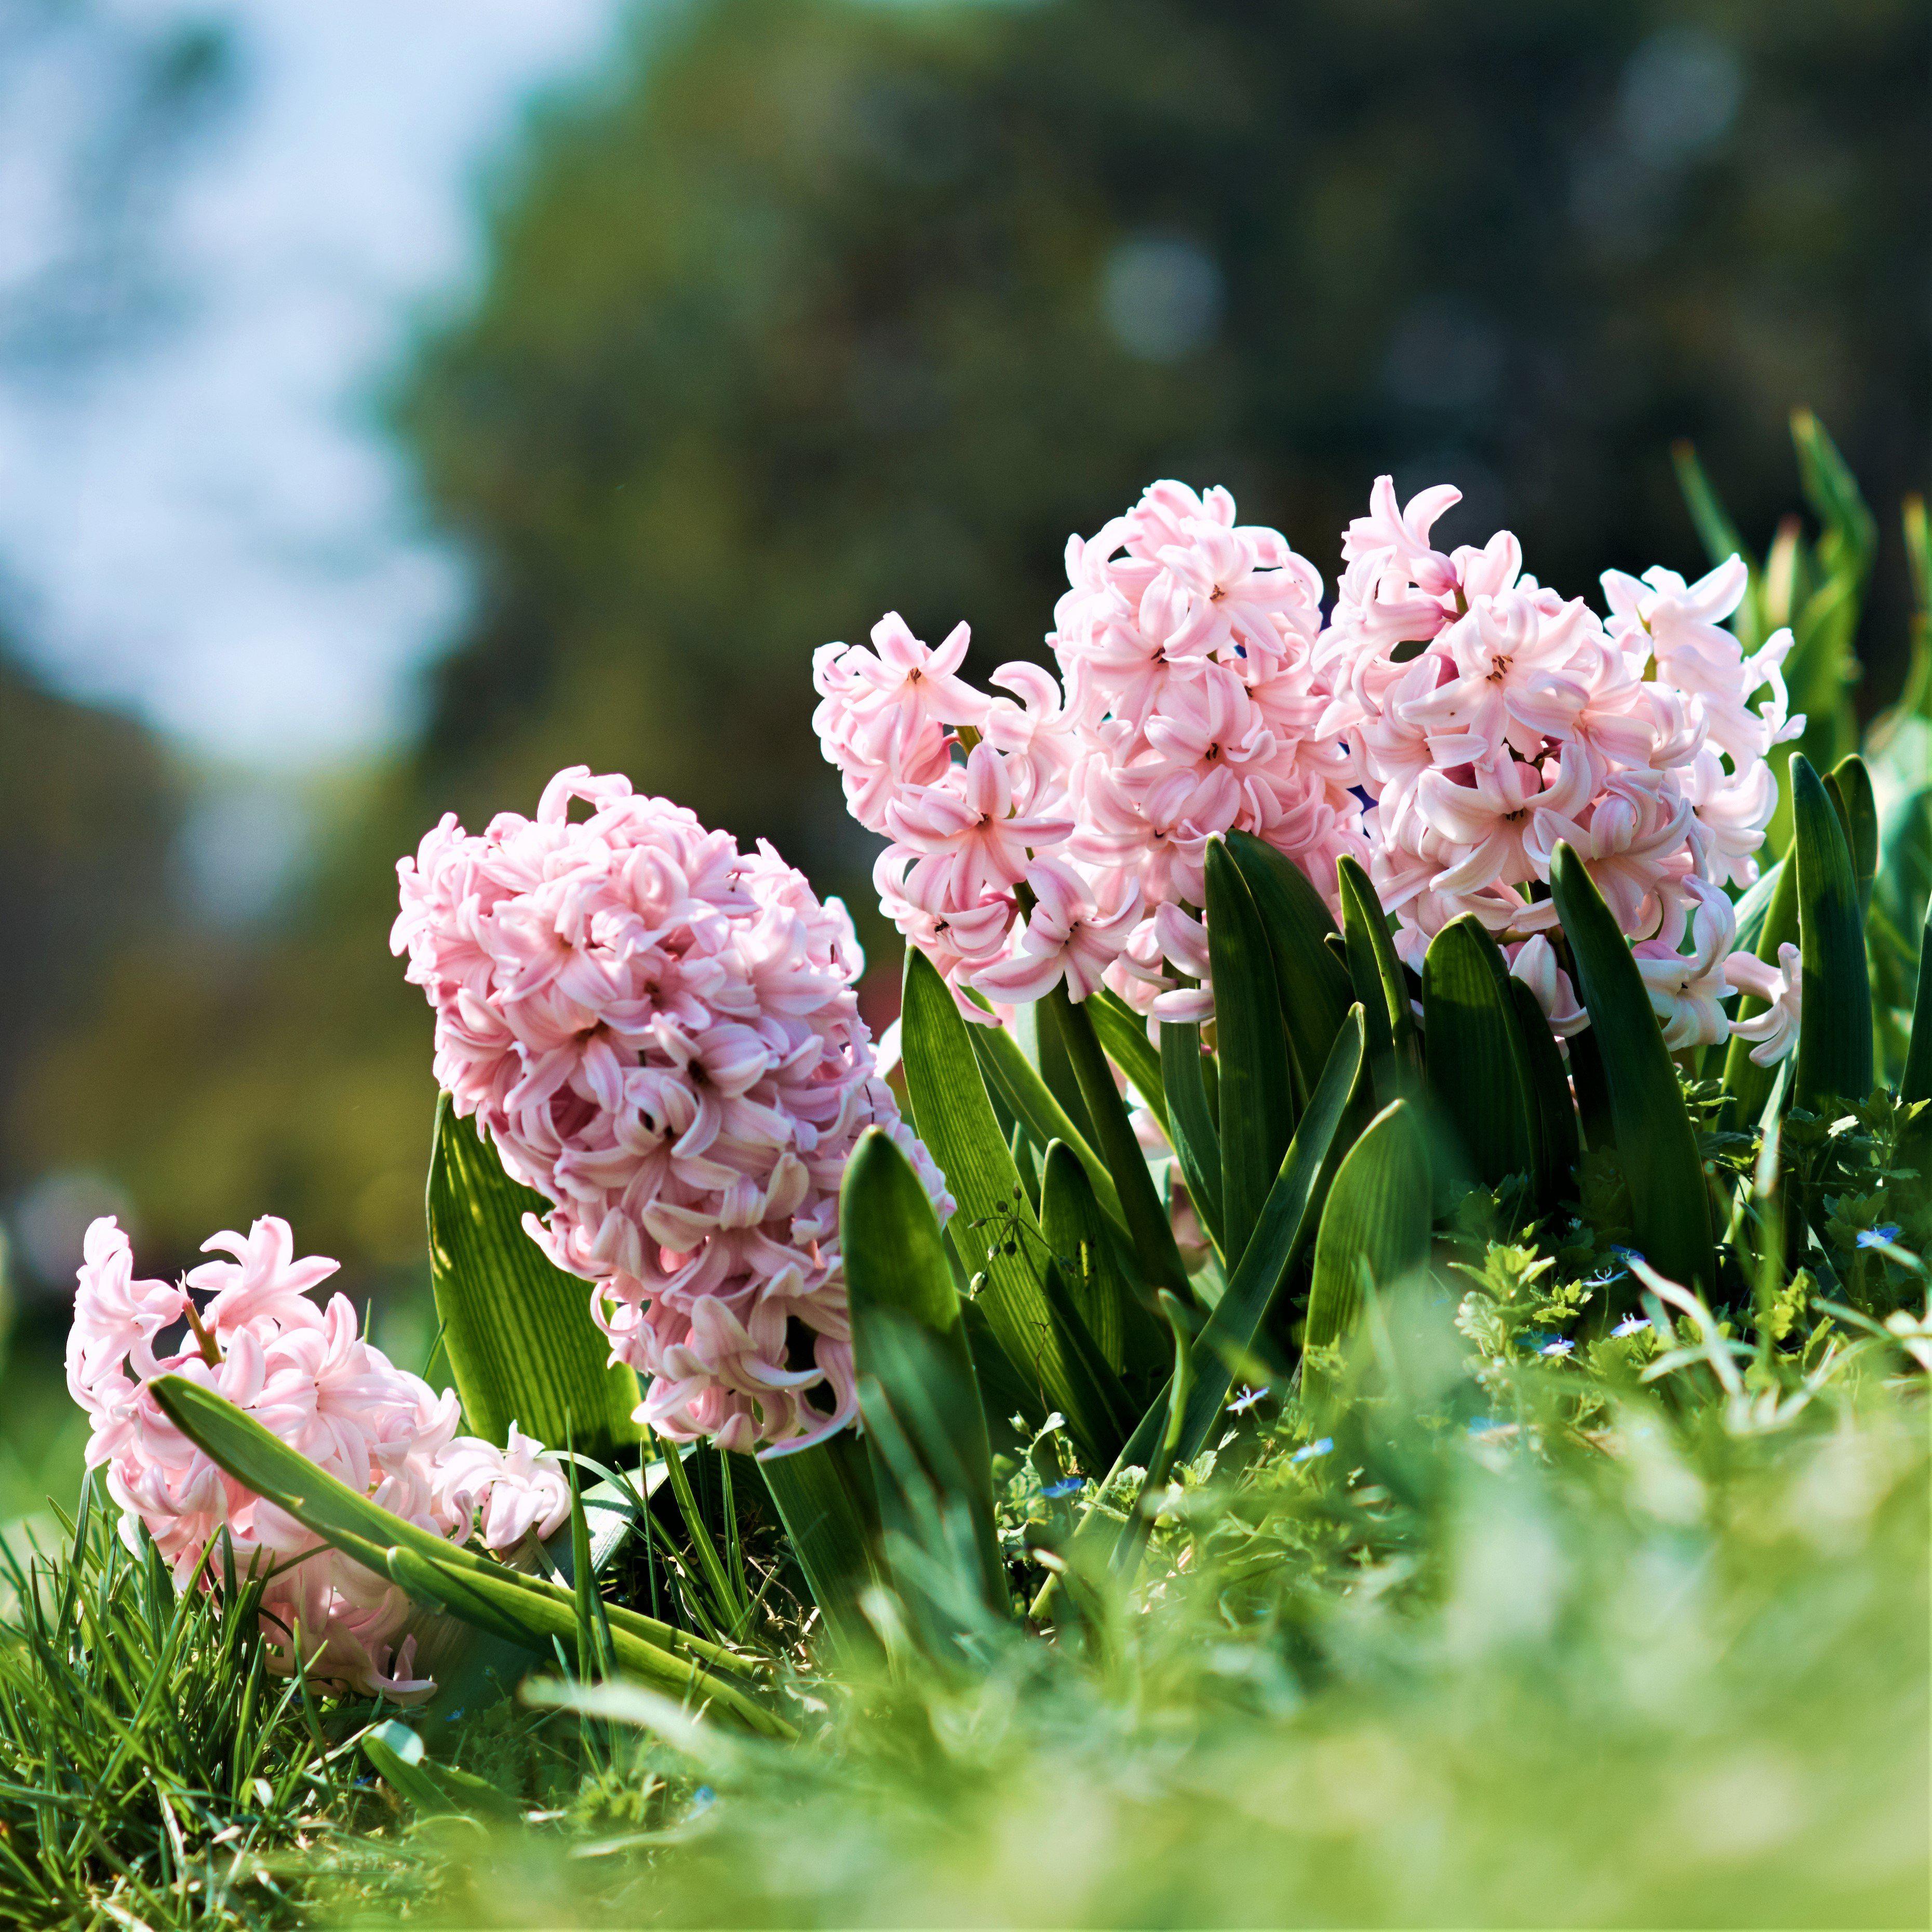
{"points": [[1121, 1148]]}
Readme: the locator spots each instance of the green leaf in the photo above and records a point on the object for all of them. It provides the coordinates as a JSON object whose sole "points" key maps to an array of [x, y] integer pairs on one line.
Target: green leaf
{"points": [[1849, 788], [1257, 1088], [1834, 1034], [1380, 985], [521, 1343], [1313, 988], [1916, 1082], [1477, 1064], [825, 1497], [1013, 1077], [909, 1335], [1190, 1124], [1128, 1338], [1287, 1224], [995, 1232], [1123, 1034], [1374, 1229], [1555, 1110], [1657, 1146], [503, 1602], [1155, 1254], [1914, 1143]]}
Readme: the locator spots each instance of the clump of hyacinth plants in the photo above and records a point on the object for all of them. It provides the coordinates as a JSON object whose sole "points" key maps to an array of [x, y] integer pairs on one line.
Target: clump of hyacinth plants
{"points": [[1288, 946]]}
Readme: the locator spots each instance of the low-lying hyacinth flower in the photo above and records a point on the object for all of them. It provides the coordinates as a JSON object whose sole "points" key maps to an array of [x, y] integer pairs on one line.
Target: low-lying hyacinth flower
{"points": [[306, 1373], [1067, 843], [1450, 723], [659, 1032], [1489, 718]]}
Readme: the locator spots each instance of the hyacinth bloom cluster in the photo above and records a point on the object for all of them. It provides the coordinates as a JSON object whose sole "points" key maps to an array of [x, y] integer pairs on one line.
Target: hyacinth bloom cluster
{"points": [[1488, 718], [659, 1032], [1057, 833], [1449, 724], [305, 1373]]}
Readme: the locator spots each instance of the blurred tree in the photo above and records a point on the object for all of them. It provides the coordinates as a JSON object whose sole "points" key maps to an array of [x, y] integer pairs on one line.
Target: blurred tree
{"points": [[817, 309]]}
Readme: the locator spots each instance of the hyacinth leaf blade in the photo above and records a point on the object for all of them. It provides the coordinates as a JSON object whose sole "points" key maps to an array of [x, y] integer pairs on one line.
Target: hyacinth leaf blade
{"points": [[1380, 985], [1021, 1088], [1191, 1128], [1553, 1110], [824, 1496], [1129, 1340], [911, 1351], [1657, 1146], [1849, 786], [1253, 1293], [1314, 989], [1257, 1091], [504, 1603], [1288, 1225], [1149, 1226], [264, 1465], [1479, 1076], [517, 1330], [1915, 1141], [1375, 1230], [1045, 1053], [995, 1232], [1775, 924], [1834, 1035], [539, 1619], [1124, 1034]]}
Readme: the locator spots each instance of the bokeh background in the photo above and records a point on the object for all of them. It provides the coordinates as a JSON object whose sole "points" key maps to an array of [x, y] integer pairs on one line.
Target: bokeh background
{"points": [[398, 403]]}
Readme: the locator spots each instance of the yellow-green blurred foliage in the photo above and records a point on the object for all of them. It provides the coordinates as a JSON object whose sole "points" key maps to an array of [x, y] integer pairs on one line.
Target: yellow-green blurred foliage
{"points": [[806, 310]]}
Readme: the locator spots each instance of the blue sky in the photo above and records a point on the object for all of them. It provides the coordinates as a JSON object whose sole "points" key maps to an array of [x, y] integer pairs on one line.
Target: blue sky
{"points": [[203, 521]]}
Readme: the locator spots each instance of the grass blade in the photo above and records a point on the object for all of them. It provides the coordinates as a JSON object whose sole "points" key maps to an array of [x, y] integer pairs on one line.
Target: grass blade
{"points": [[825, 1499]]}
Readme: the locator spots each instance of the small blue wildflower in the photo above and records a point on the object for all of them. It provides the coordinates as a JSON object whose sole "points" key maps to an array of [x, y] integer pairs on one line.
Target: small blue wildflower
{"points": [[1627, 1256], [1537, 1339], [1561, 1346], [1481, 1425], [1631, 1325], [1246, 1401], [703, 1796], [1872, 1238], [1067, 1485], [1319, 1447]]}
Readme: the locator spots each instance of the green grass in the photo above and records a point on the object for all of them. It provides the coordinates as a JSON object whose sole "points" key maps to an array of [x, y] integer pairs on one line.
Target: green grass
{"points": [[1635, 1635]]}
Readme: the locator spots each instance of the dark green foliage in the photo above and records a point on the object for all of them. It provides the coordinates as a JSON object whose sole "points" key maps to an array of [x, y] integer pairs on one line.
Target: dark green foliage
{"points": [[926, 1429], [1251, 1047], [1313, 988], [1380, 985], [1479, 1073], [1656, 1147], [1374, 1233], [1835, 1041]]}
